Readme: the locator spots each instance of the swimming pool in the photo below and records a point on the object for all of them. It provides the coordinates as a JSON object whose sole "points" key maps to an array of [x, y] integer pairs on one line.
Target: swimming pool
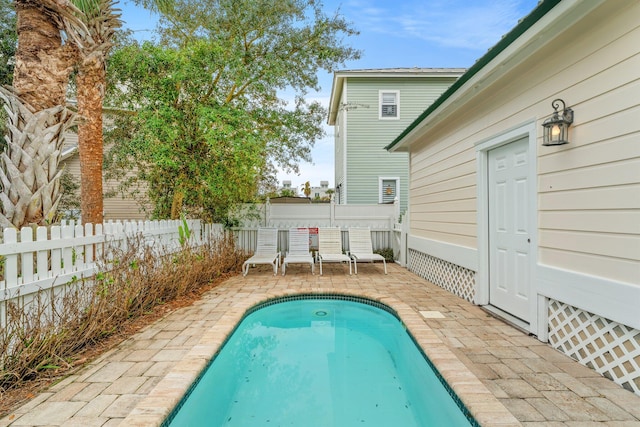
{"points": [[320, 362]]}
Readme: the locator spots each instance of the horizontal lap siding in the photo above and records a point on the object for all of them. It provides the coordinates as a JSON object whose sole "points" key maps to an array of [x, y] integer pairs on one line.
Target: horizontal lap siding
{"points": [[443, 188], [368, 135], [116, 207], [588, 190]]}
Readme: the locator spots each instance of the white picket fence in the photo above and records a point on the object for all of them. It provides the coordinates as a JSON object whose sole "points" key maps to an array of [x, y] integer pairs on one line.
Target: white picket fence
{"points": [[50, 258]]}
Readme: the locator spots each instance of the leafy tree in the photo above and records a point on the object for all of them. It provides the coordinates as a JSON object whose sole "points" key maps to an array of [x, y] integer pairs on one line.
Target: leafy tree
{"points": [[306, 189], [8, 45], [211, 123], [330, 192], [288, 192], [8, 41]]}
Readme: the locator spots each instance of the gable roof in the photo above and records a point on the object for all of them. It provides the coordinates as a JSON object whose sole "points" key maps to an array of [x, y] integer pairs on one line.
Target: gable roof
{"points": [[531, 33], [340, 76]]}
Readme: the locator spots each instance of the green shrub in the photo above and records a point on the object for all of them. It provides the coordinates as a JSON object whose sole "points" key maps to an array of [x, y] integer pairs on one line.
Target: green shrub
{"points": [[387, 253]]}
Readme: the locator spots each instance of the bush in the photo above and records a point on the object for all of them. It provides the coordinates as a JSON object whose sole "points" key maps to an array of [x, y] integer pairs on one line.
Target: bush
{"points": [[45, 336], [387, 253]]}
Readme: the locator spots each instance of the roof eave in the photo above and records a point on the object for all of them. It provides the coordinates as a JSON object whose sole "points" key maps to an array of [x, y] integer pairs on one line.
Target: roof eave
{"points": [[467, 84], [334, 100], [339, 78]]}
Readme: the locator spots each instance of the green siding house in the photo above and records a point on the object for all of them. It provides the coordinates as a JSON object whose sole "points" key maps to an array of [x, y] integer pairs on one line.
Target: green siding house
{"points": [[369, 108]]}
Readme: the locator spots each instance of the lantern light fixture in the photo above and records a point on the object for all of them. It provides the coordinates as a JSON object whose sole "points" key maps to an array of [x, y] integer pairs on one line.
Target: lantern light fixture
{"points": [[556, 127]]}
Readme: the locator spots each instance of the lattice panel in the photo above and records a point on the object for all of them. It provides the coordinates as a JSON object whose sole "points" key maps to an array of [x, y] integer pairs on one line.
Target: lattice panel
{"points": [[608, 347], [455, 279]]}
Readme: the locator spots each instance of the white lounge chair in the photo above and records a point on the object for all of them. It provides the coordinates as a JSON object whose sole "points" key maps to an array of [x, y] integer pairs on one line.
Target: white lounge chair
{"points": [[361, 249], [266, 250], [330, 247], [298, 252]]}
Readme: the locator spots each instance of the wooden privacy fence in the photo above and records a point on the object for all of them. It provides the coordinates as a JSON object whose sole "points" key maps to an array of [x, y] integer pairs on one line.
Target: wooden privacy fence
{"points": [[49, 258]]}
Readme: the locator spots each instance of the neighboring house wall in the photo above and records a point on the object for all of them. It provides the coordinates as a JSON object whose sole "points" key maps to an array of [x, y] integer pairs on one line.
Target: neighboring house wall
{"points": [[115, 207], [321, 191], [363, 169], [580, 272]]}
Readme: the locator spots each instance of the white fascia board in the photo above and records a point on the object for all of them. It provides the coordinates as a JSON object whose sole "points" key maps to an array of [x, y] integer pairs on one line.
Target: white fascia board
{"points": [[562, 16], [334, 99]]}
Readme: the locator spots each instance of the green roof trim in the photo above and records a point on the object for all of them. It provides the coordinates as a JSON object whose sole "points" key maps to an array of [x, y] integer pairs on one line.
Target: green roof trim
{"points": [[527, 22]]}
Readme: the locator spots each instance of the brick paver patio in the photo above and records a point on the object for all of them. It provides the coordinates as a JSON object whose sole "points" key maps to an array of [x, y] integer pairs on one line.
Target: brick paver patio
{"points": [[504, 376]]}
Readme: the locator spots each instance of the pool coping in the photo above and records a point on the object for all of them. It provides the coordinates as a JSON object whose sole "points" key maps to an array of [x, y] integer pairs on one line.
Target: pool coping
{"points": [[159, 403]]}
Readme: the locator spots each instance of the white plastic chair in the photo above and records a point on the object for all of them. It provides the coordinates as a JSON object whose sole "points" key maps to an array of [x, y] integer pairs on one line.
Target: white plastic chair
{"points": [[361, 248], [298, 252], [266, 250], [330, 247]]}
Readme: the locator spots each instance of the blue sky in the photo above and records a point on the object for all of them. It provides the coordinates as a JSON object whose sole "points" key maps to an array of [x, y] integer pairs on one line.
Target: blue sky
{"points": [[400, 33]]}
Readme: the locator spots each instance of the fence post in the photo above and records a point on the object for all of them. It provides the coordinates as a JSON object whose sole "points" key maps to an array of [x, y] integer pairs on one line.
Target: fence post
{"points": [[78, 258], [404, 247], [11, 260], [67, 251], [42, 259], [26, 258], [396, 211], [99, 247], [89, 252], [267, 212], [332, 212]]}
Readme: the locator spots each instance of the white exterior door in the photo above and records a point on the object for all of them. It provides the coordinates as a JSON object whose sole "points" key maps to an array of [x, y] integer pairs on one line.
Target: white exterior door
{"points": [[509, 239]]}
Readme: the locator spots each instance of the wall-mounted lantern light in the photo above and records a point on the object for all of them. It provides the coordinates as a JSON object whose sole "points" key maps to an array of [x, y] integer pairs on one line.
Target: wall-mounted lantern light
{"points": [[556, 127]]}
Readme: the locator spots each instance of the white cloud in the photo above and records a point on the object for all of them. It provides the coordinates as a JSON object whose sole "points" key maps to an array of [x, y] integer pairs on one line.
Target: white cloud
{"points": [[445, 23], [451, 24]]}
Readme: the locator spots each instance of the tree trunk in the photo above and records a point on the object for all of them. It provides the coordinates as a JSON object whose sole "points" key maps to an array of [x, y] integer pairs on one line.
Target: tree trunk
{"points": [[91, 78], [43, 63], [176, 203], [37, 120]]}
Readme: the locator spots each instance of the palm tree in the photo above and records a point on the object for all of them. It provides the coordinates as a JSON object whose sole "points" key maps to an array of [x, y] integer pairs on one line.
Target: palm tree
{"points": [[37, 120], [306, 189], [29, 169], [91, 29]]}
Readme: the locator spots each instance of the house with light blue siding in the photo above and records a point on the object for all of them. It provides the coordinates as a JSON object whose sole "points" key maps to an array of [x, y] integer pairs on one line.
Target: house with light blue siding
{"points": [[368, 108]]}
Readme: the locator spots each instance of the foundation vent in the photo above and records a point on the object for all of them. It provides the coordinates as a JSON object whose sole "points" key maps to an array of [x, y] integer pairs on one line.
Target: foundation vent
{"points": [[608, 347], [455, 279]]}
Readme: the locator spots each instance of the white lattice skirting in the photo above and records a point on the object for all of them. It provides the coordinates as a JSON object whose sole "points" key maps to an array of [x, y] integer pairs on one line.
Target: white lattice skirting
{"points": [[455, 279], [610, 348]]}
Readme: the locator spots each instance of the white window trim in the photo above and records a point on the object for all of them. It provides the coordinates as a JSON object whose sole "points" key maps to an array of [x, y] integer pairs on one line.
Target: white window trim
{"points": [[397, 93], [381, 179]]}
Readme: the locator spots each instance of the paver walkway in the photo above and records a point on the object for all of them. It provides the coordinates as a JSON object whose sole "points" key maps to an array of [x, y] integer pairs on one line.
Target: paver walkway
{"points": [[538, 385]]}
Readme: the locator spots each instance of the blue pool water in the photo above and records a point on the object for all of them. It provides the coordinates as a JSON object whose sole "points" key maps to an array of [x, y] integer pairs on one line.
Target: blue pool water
{"points": [[320, 362]]}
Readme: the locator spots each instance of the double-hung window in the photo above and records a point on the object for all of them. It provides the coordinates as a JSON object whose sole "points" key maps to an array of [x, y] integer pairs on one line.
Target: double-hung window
{"points": [[389, 104]]}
